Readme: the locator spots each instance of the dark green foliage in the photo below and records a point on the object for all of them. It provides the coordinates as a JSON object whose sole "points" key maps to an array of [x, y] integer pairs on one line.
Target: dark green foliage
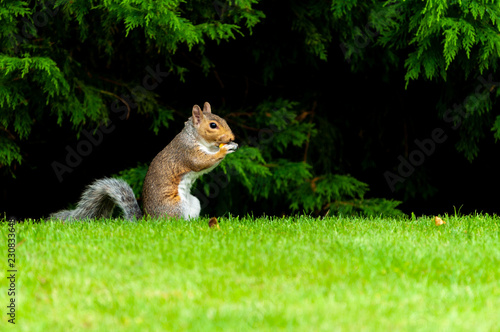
{"points": [[438, 36], [41, 73], [265, 176], [79, 64], [135, 177], [286, 127]]}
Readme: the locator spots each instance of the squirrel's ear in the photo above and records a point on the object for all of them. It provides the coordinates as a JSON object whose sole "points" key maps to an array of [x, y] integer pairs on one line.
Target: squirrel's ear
{"points": [[197, 115], [206, 108]]}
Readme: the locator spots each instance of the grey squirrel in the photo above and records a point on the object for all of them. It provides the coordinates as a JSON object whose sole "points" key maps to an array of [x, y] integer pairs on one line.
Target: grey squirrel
{"points": [[201, 145]]}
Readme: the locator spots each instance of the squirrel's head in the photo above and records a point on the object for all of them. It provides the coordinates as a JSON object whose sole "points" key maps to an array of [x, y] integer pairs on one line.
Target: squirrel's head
{"points": [[212, 128]]}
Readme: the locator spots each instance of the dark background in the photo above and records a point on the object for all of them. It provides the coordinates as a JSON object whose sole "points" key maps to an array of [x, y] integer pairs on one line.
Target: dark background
{"points": [[376, 120]]}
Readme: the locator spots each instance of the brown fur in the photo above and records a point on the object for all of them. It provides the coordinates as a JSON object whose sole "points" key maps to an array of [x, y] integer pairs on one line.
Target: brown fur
{"points": [[185, 155], [166, 192]]}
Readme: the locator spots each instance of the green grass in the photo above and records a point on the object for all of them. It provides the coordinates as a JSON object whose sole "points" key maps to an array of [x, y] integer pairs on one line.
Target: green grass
{"points": [[299, 274]]}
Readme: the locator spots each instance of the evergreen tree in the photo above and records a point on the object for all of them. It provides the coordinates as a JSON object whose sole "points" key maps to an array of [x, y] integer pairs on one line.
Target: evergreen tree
{"points": [[75, 64]]}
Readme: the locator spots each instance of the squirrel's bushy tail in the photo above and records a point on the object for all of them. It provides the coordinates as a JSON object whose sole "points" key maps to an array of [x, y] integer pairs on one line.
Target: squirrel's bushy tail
{"points": [[99, 199]]}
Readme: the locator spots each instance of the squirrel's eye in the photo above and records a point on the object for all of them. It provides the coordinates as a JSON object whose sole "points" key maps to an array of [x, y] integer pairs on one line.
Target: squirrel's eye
{"points": [[213, 125]]}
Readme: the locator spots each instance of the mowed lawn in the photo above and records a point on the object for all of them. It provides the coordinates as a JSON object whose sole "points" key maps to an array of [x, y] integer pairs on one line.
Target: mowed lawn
{"points": [[263, 274]]}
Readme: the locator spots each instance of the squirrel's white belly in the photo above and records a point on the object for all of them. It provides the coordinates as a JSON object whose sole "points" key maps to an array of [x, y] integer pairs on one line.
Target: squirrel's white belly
{"points": [[190, 204]]}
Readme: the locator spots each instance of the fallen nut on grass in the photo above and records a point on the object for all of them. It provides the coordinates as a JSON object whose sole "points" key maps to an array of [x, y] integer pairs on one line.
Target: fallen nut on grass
{"points": [[439, 221], [212, 223]]}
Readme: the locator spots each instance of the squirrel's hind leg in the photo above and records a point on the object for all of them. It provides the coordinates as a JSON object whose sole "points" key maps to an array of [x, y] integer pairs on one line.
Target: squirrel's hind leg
{"points": [[192, 209]]}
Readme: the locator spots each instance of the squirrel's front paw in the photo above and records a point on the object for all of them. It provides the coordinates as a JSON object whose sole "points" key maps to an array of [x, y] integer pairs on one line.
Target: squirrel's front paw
{"points": [[230, 147]]}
